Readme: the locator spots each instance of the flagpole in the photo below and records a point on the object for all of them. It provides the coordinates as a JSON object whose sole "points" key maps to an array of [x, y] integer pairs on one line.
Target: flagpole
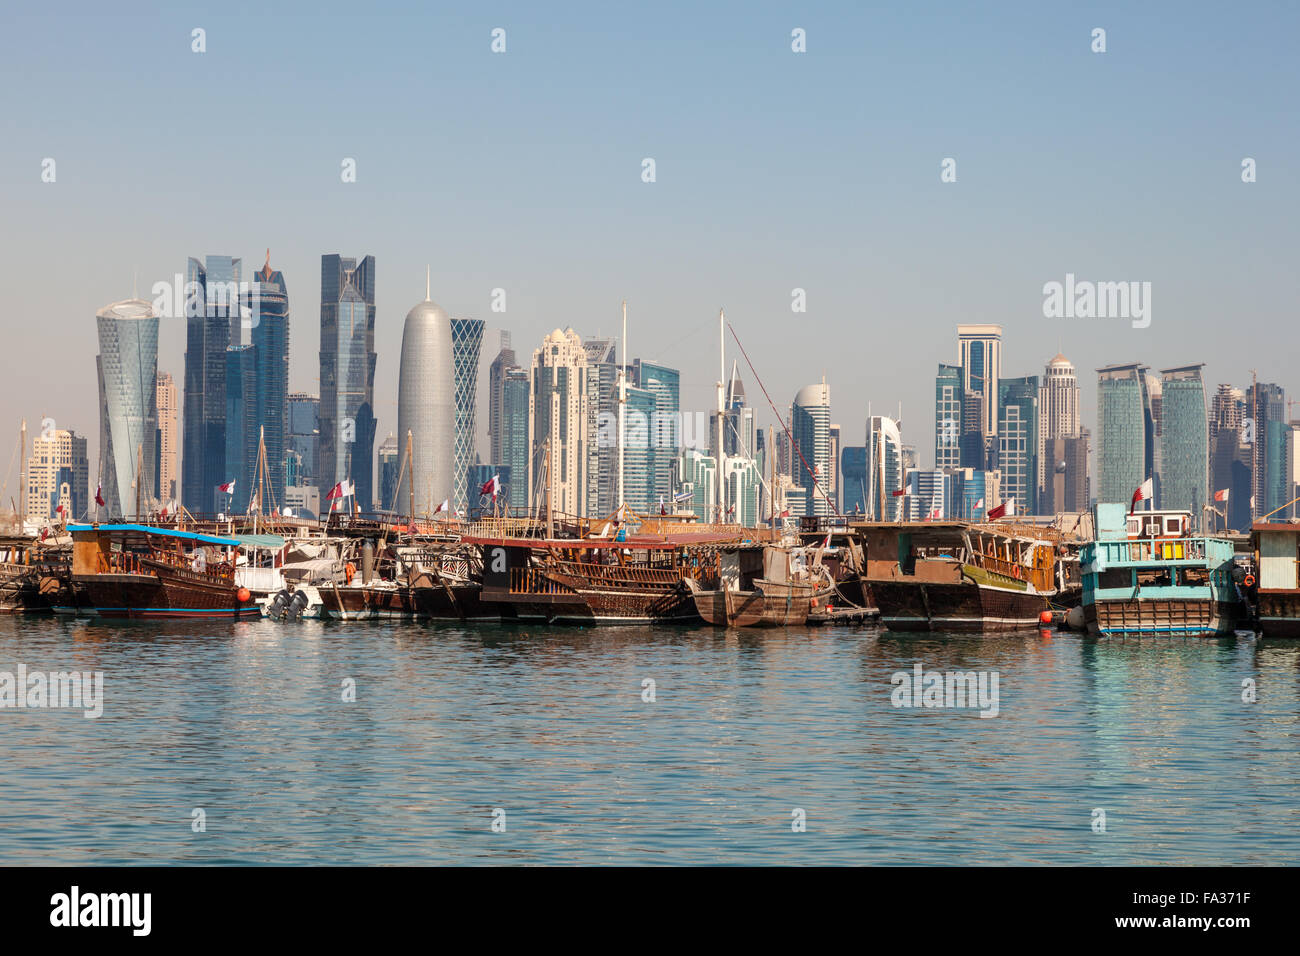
{"points": [[622, 408]]}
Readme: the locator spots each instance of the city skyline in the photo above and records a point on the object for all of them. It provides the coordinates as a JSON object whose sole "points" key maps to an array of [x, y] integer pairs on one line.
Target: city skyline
{"points": [[747, 216]]}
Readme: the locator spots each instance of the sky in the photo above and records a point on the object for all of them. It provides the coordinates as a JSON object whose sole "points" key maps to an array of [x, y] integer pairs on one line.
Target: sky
{"points": [[775, 170]]}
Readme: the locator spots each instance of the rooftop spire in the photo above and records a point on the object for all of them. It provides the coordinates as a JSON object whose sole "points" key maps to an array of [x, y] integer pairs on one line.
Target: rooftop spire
{"points": [[426, 283]]}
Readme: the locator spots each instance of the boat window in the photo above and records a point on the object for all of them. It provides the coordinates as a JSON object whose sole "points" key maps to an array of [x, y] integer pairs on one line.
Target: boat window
{"points": [[1154, 577], [1194, 577], [1115, 578]]}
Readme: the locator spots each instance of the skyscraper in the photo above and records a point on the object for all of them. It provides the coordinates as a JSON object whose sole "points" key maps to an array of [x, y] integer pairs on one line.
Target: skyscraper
{"points": [[980, 355], [347, 375], [466, 342], [1058, 417], [168, 482], [1184, 439], [212, 311], [504, 360], [58, 472], [303, 440], [947, 416], [127, 369], [884, 469], [810, 428], [1125, 432], [1270, 485], [558, 426], [390, 459], [602, 409], [664, 386], [1017, 439], [269, 314], [853, 475], [241, 427], [513, 450], [426, 407]]}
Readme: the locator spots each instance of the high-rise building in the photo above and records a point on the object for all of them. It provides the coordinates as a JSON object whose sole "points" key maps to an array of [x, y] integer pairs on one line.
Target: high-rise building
{"points": [[834, 471], [1184, 439], [513, 449], [1058, 416], [496, 391], [980, 356], [1270, 484], [558, 424], [810, 428], [303, 440], [947, 416], [241, 427], [1018, 436], [426, 408], [212, 314], [58, 472], [167, 482], [884, 469], [466, 343], [929, 495], [390, 460], [1065, 465], [853, 479], [269, 315], [602, 410], [664, 386], [127, 370], [347, 375], [1125, 432]]}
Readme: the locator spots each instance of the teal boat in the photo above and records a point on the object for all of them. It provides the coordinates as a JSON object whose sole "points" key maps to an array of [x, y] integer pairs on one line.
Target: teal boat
{"points": [[1146, 574]]}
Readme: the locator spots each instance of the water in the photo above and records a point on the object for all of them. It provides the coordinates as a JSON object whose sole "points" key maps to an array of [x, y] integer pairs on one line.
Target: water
{"points": [[246, 722]]}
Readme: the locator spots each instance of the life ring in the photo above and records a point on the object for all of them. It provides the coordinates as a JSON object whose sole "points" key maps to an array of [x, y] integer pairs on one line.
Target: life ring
{"points": [[348, 571], [1015, 571], [1250, 581]]}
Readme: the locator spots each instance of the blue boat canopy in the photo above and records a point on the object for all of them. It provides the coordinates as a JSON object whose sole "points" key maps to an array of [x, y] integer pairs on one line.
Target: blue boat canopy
{"points": [[162, 532], [267, 542]]}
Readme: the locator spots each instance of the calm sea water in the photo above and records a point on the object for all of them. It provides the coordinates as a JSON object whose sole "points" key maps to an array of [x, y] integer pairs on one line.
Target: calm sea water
{"points": [[247, 723]]}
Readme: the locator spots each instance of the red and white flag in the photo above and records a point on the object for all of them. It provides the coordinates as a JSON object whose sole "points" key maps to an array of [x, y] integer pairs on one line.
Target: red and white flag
{"points": [[1143, 493], [900, 491], [1005, 510], [341, 490], [662, 509], [934, 514], [228, 488], [445, 506], [99, 495], [491, 486], [1221, 495], [980, 503]]}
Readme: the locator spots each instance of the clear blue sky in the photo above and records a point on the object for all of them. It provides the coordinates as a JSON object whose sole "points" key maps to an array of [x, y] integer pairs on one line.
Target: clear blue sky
{"points": [[775, 170]]}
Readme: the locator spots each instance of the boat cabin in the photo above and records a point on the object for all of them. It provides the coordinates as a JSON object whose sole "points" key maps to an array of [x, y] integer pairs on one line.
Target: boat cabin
{"points": [[1158, 524]]}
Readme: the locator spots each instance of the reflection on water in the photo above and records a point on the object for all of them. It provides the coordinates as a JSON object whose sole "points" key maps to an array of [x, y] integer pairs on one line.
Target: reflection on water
{"points": [[247, 723]]}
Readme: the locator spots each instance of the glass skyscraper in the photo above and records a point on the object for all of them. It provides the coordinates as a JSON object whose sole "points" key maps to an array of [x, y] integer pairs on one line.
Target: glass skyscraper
{"points": [[1018, 441], [853, 479], [884, 469], [426, 408], [664, 384], [947, 417], [270, 340], [810, 426], [513, 452], [1184, 440], [241, 427], [347, 375], [303, 439], [127, 367], [212, 312], [1125, 432], [466, 342]]}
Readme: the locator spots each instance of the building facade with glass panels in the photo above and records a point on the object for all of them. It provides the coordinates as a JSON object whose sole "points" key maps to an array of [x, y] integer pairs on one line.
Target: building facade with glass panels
{"points": [[1184, 439], [1018, 441], [127, 372], [347, 375], [466, 344], [212, 311], [1125, 432], [947, 417], [810, 428]]}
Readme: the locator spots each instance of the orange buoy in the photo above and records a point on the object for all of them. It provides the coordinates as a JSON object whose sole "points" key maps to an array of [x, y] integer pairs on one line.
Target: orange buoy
{"points": [[1045, 617], [1015, 571], [243, 595], [1250, 580]]}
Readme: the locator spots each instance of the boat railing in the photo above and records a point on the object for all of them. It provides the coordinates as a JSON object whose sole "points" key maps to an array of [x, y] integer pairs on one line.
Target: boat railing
{"points": [[182, 562], [533, 581], [618, 573], [1149, 550]]}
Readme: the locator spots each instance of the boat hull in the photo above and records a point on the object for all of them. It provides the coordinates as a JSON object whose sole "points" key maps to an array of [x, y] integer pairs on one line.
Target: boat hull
{"points": [[1278, 613], [165, 593], [966, 606], [768, 605], [1160, 617]]}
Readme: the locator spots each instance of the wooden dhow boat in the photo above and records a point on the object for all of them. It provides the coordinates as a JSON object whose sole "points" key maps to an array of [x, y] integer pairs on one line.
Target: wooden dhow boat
{"points": [[759, 585], [959, 576]]}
